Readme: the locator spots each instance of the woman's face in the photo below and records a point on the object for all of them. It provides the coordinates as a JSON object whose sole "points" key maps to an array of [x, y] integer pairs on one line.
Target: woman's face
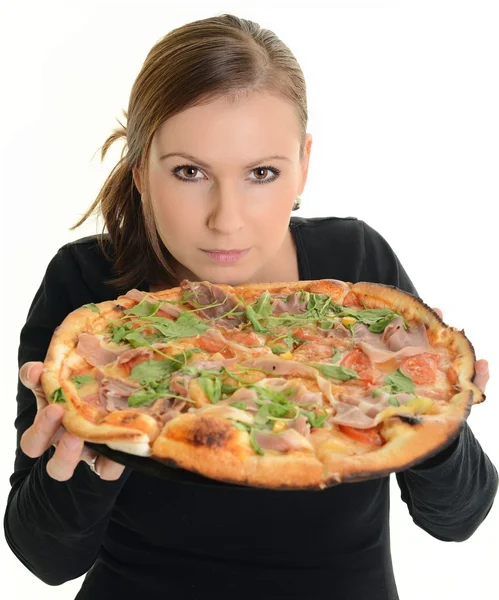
{"points": [[223, 178]]}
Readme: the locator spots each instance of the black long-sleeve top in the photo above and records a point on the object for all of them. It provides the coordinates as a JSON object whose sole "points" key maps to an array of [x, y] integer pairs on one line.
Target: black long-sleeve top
{"points": [[192, 541]]}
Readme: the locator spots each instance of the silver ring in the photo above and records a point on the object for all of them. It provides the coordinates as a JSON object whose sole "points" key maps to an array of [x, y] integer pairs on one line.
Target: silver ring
{"points": [[92, 466]]}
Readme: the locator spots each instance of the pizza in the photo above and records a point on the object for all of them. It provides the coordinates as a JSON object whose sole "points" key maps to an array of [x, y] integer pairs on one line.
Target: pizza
{"points": [[292, 385]]}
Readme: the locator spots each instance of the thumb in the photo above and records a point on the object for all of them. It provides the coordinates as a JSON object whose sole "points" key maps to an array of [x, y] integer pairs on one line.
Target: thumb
{"points": [[30, 374]]}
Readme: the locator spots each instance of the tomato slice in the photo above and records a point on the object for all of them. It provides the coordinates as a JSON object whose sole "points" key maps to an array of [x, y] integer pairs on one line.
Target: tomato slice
{"points": [[245, 339], [366, 436], [421, 368], [209, 344], [358, 361]]}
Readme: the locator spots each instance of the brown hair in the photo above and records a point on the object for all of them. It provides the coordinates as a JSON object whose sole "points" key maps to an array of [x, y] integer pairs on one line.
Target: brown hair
{"points": [[222, 55]]}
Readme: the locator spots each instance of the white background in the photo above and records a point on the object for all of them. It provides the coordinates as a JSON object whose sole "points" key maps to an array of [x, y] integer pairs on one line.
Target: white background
{"points": [[403, 100]]}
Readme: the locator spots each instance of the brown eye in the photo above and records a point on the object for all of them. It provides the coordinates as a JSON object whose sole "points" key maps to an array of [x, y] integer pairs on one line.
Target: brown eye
{"points": [[261, 173], [189, 172]]}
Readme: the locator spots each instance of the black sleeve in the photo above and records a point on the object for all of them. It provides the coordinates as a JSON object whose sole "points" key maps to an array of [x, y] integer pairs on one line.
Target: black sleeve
{"points": [[451, 493], [54, 528]]}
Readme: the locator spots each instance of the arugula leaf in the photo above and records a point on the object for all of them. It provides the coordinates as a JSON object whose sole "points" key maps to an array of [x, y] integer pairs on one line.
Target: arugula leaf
{"points": [[212, 387], [228, 389], [187, 325], [400, 382], [155, 370], [280, 410], [335, 356], [263, 306], [144, 398], [256, 447], [58, 395], [79, 380], [239, 404], [259, 310], [136, 339], [341, 373], [119, 332], [262, 416], [253, 319], [145, 308], [93, 307], [393, 401], [279, 349], [241, 426], [319, 305], [314, 419]]}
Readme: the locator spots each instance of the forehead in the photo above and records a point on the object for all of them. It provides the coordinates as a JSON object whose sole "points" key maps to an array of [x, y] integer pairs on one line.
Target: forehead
{"points": [[225, 129]]}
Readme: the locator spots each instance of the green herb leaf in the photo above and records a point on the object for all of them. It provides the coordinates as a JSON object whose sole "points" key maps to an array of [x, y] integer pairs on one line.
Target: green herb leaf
{"points": [[187, 325], [145, 308], [262, 416], [253, 319], [263, 306], [58, 395], [144, 398], [228, 389], [212, 387], [155, 370], [393, 401], [315, 420], [239, 404], [93, 307], [136, 339], [400, 382], [256, 447], [242, 426], [341, 373], [80, 380], [279, 349]]}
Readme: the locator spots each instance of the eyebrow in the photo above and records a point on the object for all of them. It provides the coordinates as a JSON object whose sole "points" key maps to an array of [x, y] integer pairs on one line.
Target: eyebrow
{"points": [[207, 166]]}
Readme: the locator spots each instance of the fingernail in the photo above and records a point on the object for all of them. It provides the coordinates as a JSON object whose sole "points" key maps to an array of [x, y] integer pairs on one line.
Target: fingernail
{"points": [[28, 373]]}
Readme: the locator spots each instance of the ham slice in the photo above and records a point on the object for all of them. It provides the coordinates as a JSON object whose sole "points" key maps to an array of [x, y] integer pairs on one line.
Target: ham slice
{"points": [[293, 306], [205, 294], [131, 354], [166, 309], [379, 355], [301, 425], [289, 439], [396, 337], [281, 366], [114, 393], [352, 415], [90, 348]]}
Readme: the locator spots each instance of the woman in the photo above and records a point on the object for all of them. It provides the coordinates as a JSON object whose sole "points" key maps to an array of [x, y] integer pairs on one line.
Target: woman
{"points": [[217, 154]]}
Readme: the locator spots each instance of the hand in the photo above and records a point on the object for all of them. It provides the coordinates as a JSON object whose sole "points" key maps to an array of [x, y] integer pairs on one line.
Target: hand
{"points": [[47, 430], [482, 374]]}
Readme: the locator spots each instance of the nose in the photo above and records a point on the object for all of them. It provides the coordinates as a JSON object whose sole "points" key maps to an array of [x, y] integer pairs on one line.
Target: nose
{"points": [[226, 211]]}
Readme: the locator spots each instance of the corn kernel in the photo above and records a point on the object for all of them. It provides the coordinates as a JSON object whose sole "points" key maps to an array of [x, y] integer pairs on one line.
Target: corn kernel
{"points": [[278, 426], [287, 355], [348, 320]]}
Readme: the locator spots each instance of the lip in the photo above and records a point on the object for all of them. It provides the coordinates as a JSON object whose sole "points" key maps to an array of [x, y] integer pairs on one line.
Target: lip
{"points": [[226, 257]]}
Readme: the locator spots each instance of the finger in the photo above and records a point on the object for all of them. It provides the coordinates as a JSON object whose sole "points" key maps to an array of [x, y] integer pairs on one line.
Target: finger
{"points": [[66, 456], [439, 312], [30, 374], [38, 437], [108, 469], [482, 374]]}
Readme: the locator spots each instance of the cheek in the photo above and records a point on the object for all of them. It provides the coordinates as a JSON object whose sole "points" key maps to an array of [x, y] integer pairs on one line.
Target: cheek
{"points": [[173, 217]]}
